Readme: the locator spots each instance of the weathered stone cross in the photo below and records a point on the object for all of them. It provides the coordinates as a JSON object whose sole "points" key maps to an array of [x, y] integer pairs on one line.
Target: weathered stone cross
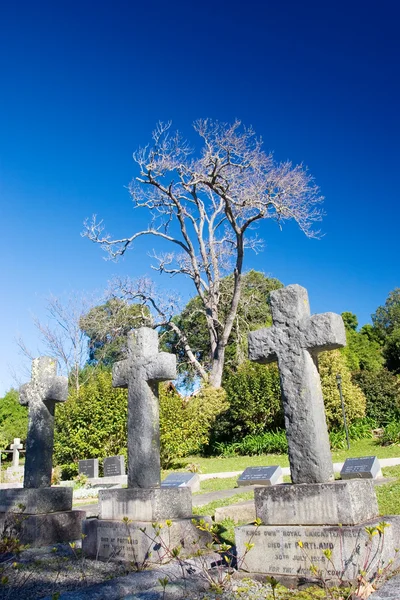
{"points": [[41, 394], [295, 340], [15, 447], [141, 373]]}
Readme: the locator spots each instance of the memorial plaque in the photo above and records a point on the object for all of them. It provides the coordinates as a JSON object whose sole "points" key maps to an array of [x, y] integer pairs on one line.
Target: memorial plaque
{"points": [[89, 467], [261, 476], [114, 465], [366, 467], [190, 480]]}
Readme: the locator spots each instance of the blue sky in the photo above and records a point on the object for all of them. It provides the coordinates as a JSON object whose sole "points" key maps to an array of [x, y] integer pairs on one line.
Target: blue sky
{"points": [[82, 86]]}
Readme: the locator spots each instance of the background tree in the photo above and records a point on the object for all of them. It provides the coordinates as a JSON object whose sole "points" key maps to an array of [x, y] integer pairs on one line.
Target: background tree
{"points": [[386, 323], [205, 205], [382, 392], [106, 327], [13, 419], [363, 351]]}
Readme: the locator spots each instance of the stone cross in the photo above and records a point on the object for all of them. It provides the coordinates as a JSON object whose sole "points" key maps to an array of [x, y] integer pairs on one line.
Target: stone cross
{"points": [[141, 373], [15, 447], [295, 340], [41, 394]]}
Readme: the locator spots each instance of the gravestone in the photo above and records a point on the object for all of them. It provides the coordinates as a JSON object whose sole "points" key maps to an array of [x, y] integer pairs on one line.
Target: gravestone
{"points": [[126, 514], [16, 446], [190, 480], [310, 509], [113, 466], [366, 467], [261, 476], [48, 515], [89, 467]]}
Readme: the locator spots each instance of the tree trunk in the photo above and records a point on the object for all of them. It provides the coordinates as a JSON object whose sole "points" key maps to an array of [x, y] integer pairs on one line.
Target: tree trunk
{"points": [[217, 367]]}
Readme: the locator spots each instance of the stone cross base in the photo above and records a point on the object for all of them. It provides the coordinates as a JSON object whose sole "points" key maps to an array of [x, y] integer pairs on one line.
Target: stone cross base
{"points": [[277, 552], [32, 501], [143, 542], [43, 529], [138, 504], [346, 502]]}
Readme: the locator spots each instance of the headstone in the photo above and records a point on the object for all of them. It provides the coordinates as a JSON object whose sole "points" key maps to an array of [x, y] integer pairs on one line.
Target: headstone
{"points": [[190, 480], [89, 467], [367, 467], [144, 500], [48, 517], [261, 476], [41, 394], [113, 465], [295, 340], [16, 446]]}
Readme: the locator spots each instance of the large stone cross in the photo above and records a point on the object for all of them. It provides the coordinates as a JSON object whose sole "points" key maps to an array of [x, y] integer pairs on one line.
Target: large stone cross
{"points": [[16, 446], [141, 373], [295, 340], [41, 394]]}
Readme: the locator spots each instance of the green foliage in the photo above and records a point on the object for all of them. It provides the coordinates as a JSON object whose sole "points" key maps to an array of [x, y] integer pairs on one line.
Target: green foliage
{"points": [[382, 393], [271, 442], [254, 397], [91, 424], [350, 321], [391, 434], [362, 352], [330, 364], [360, 429], [185, 423], [391, 351], [13, 419], [386, 321], [107, 327]]}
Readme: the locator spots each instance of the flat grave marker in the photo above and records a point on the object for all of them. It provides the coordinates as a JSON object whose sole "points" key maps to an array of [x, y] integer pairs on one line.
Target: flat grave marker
{"points": [[113, 465], [365, 467], [261, 476], [89, 467], [176, 480]]}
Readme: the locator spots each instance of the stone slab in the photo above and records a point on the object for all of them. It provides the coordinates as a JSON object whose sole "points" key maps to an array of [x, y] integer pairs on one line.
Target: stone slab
{"points": [[142, 541], [276, 550], [190, 480], [89, 467], [366, 467], [145, 504], [114, 466], [270, 475], [241, 512], [44, 529], [33, 501], [345, 502]]}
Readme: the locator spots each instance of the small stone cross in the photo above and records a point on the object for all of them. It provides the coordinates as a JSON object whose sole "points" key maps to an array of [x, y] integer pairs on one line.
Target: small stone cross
{"points": [[15, 447], [141, 373], [41, 394], [295, 340]]}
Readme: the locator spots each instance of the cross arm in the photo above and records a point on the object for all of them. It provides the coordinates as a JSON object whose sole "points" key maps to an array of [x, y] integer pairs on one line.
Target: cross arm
{"points": [[24, 394], [161, 367], [57, 390], [120, 376], [325, 332], [262, 345]]}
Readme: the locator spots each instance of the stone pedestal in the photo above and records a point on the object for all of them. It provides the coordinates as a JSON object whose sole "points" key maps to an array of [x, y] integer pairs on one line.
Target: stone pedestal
{"points": [[300, 522], [139, 504], [276, 550], [142, 541], [40, 517]]}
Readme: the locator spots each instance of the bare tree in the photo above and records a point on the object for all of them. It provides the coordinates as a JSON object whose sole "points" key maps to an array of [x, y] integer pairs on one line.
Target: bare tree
{"points": [[205, 205], [61, 335]]}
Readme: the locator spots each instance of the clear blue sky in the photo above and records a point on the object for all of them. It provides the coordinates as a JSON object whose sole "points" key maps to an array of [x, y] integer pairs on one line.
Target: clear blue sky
{"points": [[82, 85]]}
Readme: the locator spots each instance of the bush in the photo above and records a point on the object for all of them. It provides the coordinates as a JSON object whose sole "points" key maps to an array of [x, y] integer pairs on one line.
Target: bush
{"points": [[331, 363], [91, 424], [271, 442], [359, 430], [382, 393], [391, 434], [13, 419], [254, 396], [185, 423]]}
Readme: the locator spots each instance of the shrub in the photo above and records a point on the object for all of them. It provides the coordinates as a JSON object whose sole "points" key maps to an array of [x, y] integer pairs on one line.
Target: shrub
{"points": [[391, 434], [382, 393], [254, 396], [185, 423], [271, 442], [13, 419], [359, 430], [331, 363]]}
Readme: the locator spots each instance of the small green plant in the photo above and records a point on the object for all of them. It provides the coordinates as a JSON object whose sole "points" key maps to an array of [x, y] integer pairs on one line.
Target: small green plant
{"points": [[391, 434], [81, 481]]}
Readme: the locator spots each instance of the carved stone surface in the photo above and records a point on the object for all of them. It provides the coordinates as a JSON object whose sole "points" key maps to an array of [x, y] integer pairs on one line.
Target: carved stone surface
{"points": [[45, 529], [141, 373], [30, 501], [41, 394], [294, 340], [146, 505]]}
